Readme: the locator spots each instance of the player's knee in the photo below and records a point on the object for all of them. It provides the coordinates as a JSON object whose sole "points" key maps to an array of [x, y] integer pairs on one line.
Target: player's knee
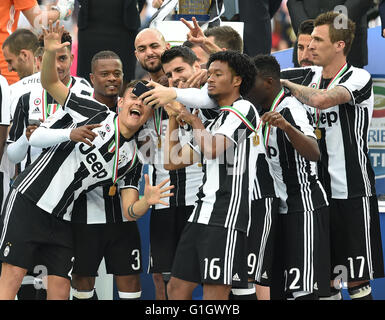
{"points": [[158, 279], [130, 283], [12, 275], [82, 283], [172, 289]]}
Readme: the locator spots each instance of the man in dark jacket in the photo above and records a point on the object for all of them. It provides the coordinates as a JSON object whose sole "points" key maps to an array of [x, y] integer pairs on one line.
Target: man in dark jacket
{"points": [[108, 25]]}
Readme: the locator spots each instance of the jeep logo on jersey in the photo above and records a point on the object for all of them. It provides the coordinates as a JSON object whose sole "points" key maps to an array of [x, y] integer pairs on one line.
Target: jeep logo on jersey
{"points": [[329, 118], [94, 161], [271, 152]]}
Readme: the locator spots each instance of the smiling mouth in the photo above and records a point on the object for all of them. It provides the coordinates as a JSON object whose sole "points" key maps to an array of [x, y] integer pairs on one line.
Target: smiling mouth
{"points": [[135, 113]]}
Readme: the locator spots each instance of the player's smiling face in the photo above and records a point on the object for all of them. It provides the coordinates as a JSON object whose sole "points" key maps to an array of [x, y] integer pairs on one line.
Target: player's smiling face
{"points": [[107, 77], [132, 112]]}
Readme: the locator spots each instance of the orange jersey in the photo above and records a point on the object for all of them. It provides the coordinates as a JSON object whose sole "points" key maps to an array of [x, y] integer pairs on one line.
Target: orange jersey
{"points": [[9, 17]]}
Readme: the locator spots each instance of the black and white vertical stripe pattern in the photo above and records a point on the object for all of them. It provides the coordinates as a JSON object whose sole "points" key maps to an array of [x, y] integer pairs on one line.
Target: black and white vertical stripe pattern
{"points": [[30, 106], [345, 169], [186, 180], [63, 172], [295, 178], [229, 256], [6, 214], [265, 235], [369, 261], [224, 197]]}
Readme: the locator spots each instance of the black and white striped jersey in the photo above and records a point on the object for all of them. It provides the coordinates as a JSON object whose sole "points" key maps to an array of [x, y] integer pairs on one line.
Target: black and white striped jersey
{"points": [[223, 197], [98, 207], [186, 181], [21, 87], [64, 172], [262, 183], [37, 104], [345, 168], [295, 178]]}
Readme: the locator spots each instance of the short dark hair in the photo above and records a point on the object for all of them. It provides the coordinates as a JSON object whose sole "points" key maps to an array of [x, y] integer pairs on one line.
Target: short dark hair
{"points": [[184, 52], [240, 64], [306, 27], [225, 37], [267, 66], [66, 37], [101, 55], [189, 44], [21, 39], [341, 34]]}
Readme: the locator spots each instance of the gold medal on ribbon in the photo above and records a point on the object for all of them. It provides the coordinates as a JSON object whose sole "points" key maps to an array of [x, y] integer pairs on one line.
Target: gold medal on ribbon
{"points": [[318, 133], [112, 191], [159, 143], [200, 164], [256, 140]]}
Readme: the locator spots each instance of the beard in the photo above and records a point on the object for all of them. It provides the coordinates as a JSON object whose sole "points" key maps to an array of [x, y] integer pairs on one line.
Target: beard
{"points": [[152, 69]]}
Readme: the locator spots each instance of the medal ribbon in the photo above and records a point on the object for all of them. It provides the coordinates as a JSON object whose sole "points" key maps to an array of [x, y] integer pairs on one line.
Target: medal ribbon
{"points": [[157, 117], [317, 113], [46, 111], [274, 105], [114, 147]]}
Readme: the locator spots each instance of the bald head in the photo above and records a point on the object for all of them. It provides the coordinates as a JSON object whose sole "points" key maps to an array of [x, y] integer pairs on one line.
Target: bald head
{"points": [[149, 46]]}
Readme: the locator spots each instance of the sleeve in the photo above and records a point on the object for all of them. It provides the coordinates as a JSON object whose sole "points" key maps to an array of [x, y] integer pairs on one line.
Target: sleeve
{"points": [[302, 76], [298, 117], [19, 118], [18, 150], [297, 13], [45, 137], [359, 84], [133, 178], [5, 101], [195, 98], [82, 108], [24, 4], [239, 121]]}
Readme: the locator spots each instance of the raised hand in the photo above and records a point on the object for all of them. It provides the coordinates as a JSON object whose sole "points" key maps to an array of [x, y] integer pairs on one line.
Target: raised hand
{"points": [[154, 194], [159, 96], [84, 134], [52, 37], [195, 34], [198, 79]]}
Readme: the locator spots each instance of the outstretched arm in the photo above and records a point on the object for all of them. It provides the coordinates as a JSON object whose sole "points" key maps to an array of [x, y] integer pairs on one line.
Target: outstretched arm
{"points": [[197, 36], [189, 97], [134, 208], [49, 77]]}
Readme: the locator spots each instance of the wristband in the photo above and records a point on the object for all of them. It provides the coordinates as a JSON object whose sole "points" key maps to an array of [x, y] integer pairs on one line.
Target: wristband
{"points": [[131, 212]]}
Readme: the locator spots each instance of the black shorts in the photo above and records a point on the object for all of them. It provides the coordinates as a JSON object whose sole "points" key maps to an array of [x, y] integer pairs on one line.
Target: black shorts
{"points": [[355, 236], [260, 241], [118, 243], [302, 253], [33, 239], [211, 254], [166, 226]]}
